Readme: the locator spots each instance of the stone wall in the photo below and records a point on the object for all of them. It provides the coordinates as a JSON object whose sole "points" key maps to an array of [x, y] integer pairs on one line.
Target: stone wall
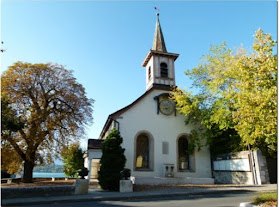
{"points": [[226, 177], [242, 174], [40, 191], [261, 167]]}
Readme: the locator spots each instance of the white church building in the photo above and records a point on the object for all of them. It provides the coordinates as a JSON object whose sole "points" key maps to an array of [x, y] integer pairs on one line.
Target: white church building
{"points": [[155, 136]]}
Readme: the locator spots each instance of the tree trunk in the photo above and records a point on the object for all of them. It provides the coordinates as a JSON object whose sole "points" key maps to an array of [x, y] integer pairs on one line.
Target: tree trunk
{"points": [[28, 171]]}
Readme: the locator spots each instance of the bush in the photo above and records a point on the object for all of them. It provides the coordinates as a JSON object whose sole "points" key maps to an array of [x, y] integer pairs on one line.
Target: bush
{"points": [[112, 162], [72, 157], [265, 198]]}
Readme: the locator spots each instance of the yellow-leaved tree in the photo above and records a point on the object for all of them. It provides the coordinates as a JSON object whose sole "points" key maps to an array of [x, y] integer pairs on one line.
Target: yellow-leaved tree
{"points": [[236, 100], [52, 106]]}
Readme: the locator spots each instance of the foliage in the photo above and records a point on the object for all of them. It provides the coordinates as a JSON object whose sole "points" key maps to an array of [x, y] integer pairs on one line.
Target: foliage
{"points": [[220, 135], [266, 197], [54, 108], [256, 94], [224, 141], [9, 119], [10, 161], [73, 160], [237, 96], [112, 161]]}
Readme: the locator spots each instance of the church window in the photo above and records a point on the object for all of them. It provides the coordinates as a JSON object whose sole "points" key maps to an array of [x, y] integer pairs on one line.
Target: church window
{"points": [[149, 73], [142, 152], [164, 70], [183, 154]]}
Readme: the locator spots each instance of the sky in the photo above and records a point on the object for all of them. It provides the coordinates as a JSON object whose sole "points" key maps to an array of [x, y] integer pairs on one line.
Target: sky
{"points": [[105, 42]]}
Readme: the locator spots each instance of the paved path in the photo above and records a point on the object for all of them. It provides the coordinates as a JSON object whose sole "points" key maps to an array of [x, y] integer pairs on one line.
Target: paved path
{"points": [[212, 200], [99, 195]]}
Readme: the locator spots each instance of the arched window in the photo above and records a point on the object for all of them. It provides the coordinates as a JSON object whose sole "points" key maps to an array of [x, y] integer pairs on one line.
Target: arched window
{"points": [[142, 152], [183, 154], [149, 73], [164, 70]]}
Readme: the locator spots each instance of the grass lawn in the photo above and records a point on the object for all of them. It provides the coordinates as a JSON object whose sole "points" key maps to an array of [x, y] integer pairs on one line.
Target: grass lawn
{"points": [[266, 199]]}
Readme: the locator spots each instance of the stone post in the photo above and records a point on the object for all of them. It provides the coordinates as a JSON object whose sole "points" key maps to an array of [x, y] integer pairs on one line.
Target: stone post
{"points": [[125, 186], [81, 186]]}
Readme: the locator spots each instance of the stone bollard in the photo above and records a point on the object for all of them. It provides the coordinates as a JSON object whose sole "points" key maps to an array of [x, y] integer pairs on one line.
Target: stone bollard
{"points": [[133, 179], [81, 186], [125, 186], [9, 181]]}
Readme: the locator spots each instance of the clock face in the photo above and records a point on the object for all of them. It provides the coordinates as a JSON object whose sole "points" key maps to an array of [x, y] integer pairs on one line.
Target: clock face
{"points": [[166, 107]]}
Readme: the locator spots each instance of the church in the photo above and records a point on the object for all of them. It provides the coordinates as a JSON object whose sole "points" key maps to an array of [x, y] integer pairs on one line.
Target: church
{"points": [[155, 137]]}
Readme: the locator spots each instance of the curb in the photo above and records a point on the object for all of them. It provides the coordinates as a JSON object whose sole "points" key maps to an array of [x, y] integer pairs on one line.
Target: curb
{"points": [[58, 200], [247, 204]]}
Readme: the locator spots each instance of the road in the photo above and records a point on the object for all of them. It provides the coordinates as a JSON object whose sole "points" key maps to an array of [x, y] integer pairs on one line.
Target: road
{"points": [[217, 200]]}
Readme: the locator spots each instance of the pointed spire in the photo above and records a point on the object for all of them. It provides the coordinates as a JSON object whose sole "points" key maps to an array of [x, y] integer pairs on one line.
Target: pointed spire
{"points": [[159, 42]]}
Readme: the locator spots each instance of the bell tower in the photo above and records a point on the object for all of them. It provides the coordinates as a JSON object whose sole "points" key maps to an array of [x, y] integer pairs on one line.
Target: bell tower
{"points": [[159, 64]]}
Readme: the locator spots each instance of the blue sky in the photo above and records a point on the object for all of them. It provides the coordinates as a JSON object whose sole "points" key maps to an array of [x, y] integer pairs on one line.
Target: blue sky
{"points": [[105, 42]]}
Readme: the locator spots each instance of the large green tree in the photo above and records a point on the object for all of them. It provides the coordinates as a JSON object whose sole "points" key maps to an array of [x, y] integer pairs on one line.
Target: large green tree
{"points": [[73, 160], [237, 95], [52, 103], [112, 161]]}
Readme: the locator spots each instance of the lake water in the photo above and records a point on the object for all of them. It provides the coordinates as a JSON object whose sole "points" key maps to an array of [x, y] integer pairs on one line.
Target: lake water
{"points": [[48, 175]]}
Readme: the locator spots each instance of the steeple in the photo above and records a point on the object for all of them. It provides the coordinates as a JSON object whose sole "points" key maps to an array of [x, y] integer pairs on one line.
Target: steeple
{"points": [[159, 42], [159, 63]]}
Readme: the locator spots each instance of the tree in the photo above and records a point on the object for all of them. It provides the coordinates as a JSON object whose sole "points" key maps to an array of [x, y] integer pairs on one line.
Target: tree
{"points": [[9, 119], [213, 122], [256, 95], [73, 160], [112, 161], [10, 161], [54, 106], [237, 95]]}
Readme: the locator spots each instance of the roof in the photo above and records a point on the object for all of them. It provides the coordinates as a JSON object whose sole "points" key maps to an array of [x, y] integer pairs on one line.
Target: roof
{"points": [[159, 46], [153, 52], [159, 42], [116, 114], [94, 144]]}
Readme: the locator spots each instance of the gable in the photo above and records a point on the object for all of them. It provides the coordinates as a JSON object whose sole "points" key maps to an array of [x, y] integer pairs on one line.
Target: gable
{"points": [[112, 117]]}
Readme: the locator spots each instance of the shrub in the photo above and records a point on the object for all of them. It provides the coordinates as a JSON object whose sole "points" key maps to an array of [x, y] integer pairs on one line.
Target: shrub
{"points": [[112, 161], [73, 160], [265, 198]]}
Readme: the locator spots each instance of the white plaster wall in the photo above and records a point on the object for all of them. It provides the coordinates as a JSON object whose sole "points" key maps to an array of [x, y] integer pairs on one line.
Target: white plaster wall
{"points": [[85, 164], [94, 154], [111, 126], [151, 81], [154, 63], [143, 117], [95, 167]]}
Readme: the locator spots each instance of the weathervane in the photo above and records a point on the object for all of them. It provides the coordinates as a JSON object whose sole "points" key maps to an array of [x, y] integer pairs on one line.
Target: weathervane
{"points": [[2, 50], [157, 9]]}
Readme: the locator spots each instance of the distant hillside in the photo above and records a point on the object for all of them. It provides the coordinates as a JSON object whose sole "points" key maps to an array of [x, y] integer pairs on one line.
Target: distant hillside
{"points": [[50, 169]]}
